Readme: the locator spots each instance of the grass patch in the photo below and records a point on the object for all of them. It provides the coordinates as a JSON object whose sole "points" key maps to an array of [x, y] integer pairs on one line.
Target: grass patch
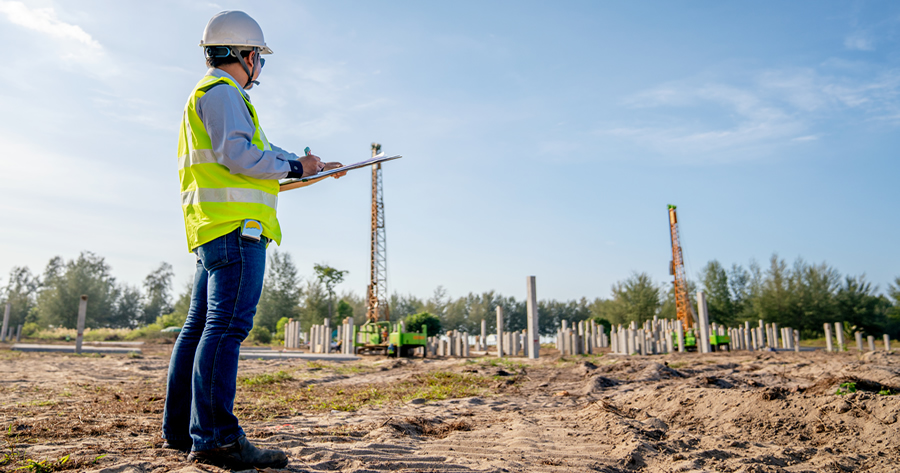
{"points": [[256, 402], [266, 378], [338, 368], [352, 369], [678, 364], [40, 403], [510, 365], [846, 388]]}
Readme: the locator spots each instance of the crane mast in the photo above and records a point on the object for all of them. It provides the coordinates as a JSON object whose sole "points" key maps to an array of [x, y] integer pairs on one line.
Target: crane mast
{"points": [[684, 310], [376, 294]]}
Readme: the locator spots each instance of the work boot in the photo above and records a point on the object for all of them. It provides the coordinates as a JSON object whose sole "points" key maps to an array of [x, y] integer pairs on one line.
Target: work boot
{"points": [[240, 455]]}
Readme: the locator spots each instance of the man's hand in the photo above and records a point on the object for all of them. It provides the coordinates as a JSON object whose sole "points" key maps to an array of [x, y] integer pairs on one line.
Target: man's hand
{"points": [[335, 165], [311, 165]]}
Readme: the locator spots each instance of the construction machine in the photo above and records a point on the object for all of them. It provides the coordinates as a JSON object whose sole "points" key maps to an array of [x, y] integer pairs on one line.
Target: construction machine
{"points": [[381, 338], [683, 309]]}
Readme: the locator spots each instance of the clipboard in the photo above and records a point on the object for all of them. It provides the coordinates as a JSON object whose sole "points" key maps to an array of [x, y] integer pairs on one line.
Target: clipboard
{"points": [[288, 184]]}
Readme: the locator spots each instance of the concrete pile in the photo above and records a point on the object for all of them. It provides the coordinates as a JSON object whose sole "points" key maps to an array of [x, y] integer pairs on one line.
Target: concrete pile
{"points": [[841, 346], [455, 344], [586, 338]]}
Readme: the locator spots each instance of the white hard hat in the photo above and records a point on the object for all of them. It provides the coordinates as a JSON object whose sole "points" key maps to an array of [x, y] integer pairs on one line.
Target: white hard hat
{"points": [[234, 28]]}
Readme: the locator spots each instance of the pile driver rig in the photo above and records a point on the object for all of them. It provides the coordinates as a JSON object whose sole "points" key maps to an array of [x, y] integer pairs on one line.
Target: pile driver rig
{"points": [[377, 309], [683, 309]]}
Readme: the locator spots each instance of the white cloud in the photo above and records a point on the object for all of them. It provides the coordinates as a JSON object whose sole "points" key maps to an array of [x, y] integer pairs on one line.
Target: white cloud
{"points": [[45, 21], [777, 107], [859, 42], [733, 118]]}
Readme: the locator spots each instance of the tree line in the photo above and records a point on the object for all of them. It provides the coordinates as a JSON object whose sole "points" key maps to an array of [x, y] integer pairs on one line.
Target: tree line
{"points": [[800, 295]]}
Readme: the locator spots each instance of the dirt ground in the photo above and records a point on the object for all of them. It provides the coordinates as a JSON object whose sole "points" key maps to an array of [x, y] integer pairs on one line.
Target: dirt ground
{"points": [[738, 412]]}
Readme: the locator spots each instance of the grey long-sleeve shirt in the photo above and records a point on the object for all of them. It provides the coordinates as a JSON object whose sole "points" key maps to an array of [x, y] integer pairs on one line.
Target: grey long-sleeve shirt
{"points": [[230, 128]]}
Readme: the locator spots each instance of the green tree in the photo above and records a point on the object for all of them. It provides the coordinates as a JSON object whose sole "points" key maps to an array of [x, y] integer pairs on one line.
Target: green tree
{"points": [[402, 306], [281, 292], [812, 294], [63, 284], [157, 294], [314, 305], [344, 310], [857, 303], [668, 309], [551, 313], [415, 322], [638, 296], [742, 284], [330, 277], [438, 303], [719, 300], [179, 313], [128, 308], [893, 314], [607, 309], [776, 299], [21, 293]]}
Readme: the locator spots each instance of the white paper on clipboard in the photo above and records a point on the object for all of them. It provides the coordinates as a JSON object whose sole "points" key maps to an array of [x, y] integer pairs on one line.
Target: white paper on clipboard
{"points": [[288, 184]]}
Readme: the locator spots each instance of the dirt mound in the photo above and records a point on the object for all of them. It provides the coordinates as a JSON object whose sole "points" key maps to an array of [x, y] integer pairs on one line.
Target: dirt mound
{"points": [[849, 384], [596, 384], [585, 368], [656, 372]]}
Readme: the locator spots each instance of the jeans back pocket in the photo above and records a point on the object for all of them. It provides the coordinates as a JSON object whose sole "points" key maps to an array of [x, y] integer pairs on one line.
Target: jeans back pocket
{"points": [[214, 253]]}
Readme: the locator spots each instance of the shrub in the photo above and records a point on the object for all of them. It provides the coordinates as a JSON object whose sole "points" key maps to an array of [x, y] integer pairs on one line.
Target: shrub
{"points": [[147, 331], [30, 329], [260, 334], [171, 320], [279, 328], [415, 322], [605, 323], [105, 334]]}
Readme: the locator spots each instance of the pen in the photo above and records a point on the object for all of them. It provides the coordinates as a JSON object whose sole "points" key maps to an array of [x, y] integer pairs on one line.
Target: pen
{"points": [[307, 152]]}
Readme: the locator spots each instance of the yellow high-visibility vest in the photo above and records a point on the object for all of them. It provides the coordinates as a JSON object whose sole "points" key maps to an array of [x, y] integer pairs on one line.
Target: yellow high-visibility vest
{"points": [[214, 201]]}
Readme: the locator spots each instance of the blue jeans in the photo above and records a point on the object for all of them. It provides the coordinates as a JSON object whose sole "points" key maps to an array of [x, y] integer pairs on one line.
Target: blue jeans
{"points": [[203, 369]]}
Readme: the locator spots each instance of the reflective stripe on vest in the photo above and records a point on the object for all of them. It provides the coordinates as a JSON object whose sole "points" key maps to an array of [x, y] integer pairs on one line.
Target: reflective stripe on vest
{"points": [[214, 201], [229, 194], [196, 156]]}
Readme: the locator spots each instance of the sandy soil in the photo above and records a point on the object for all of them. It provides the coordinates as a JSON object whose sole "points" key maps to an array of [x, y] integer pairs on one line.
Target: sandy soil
{"points": [[741, 412]]}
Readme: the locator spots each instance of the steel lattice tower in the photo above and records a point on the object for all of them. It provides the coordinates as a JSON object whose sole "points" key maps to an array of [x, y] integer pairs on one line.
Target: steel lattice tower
{"points": [[684, 311], [377, 301]]}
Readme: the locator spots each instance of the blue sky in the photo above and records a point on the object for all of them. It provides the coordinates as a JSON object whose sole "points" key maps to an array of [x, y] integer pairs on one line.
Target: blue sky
{"points": [[539, 138]]}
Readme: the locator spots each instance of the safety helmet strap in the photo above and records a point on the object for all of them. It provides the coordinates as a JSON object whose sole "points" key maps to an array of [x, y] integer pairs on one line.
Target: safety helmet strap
{"points": [[252, 70]]}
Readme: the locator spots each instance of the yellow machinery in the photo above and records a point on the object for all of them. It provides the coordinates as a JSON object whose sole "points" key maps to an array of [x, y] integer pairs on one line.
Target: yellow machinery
{"points": [[684, 310]]}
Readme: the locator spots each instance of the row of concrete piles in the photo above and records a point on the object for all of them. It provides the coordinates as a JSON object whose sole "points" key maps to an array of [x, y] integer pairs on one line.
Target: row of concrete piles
{"points": [[456, 344], [762, 336], [585, 338], [319, 337], [660, 336], [6, 333], [841, 345], [654, 337], [667, 335]]}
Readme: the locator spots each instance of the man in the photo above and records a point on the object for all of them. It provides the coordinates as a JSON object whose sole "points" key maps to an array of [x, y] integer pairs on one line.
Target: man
{"points": [[229, 189]]}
